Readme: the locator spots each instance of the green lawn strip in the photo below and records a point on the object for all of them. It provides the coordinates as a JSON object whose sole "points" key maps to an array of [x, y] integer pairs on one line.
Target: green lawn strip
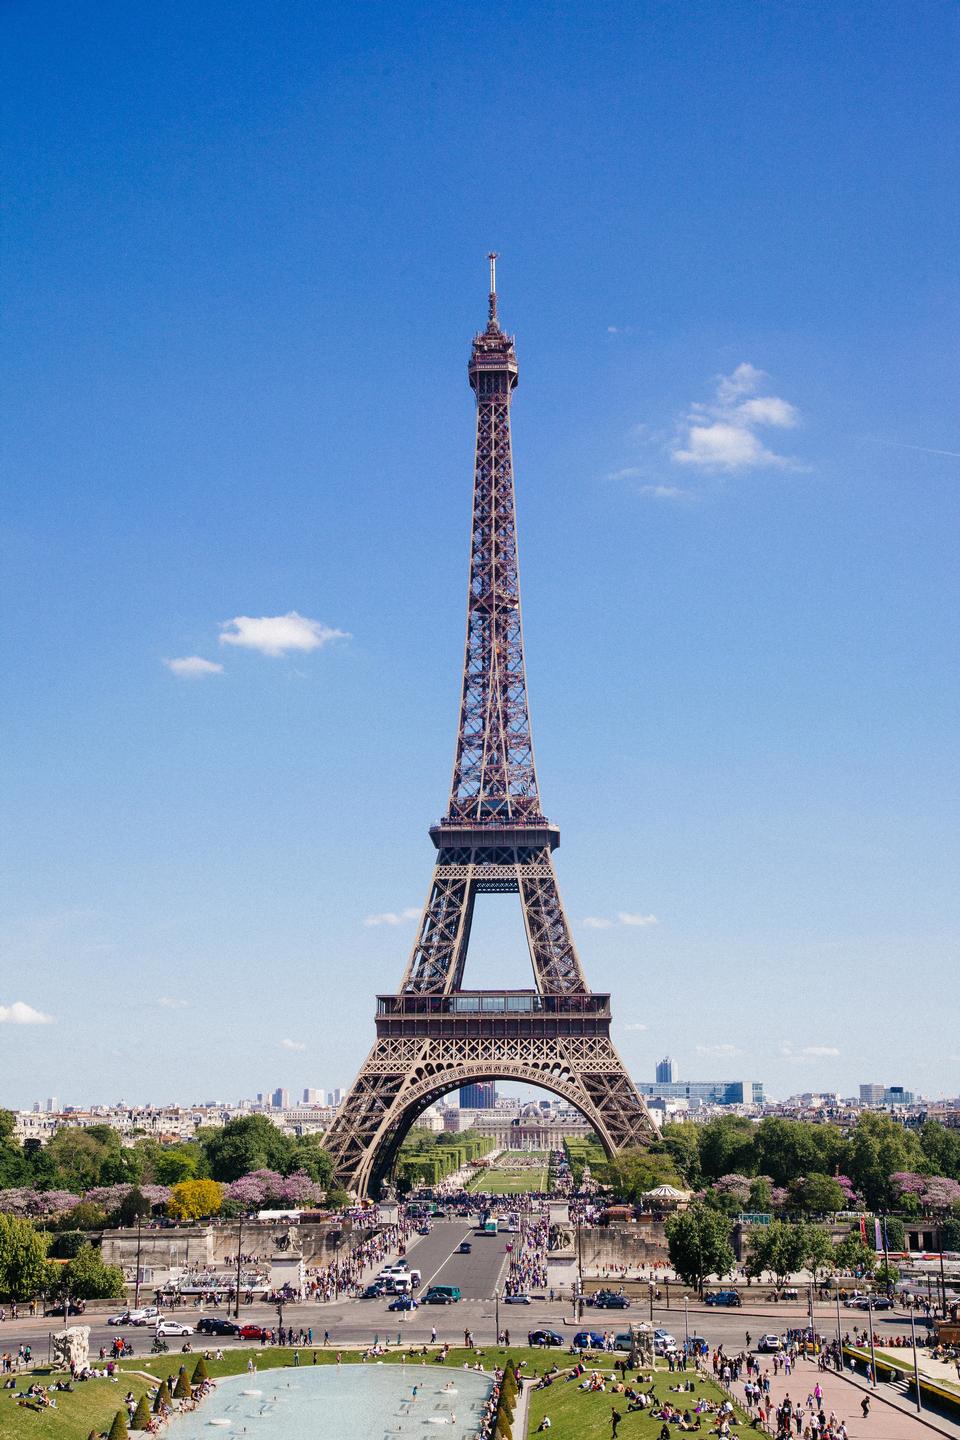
{"points": [[94, 1403], [502, 1178], [577, 1414], [905, 1367]]}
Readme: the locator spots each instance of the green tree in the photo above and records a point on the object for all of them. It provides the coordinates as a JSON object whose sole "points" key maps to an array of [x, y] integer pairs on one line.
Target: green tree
{"points": [[699, 1244], [760, 1199], [337, 1197], [310, 1156], [878, 1147], [682, 1145], [852, 1253], [941, 1147], [87, 1216], [818, 1250], [118, 1430], [86, 1277], [787, 1149], [14, 1166], [200, 1372], [815, 1194], [726, 1147], [161, 1401], [777, 1247], [951, 1230], [141, 1416], [251, 1142], [133, 1207], [78, 1157], [23, 1259], [632, 1172], [173, 1166], [181, 1391]]}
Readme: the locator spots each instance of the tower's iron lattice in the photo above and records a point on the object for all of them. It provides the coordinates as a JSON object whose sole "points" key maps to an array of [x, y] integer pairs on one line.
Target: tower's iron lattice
{"points": [[433, 1036]]}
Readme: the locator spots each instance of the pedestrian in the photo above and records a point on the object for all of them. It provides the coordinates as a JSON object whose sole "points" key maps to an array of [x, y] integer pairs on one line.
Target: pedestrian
{"points": [[615, 1418], [865, 1406]]}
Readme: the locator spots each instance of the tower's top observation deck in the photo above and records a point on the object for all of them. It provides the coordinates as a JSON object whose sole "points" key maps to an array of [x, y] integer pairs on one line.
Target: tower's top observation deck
{"points": [[493, 352]]}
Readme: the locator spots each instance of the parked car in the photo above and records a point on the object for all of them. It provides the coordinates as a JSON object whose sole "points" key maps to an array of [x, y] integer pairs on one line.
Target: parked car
{"points": [[173, 1327], [213, 1325], [587, 1340], [725, 1298], [253, 1332], [769, 1344], [609, 1301], [374, 1291], [403, 1302], [545, 1337], [73, 1307], [147, 1315], [517, 1300]]}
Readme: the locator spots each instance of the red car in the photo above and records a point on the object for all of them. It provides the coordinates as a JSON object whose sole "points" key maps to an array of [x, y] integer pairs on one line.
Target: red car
{"points": [[254, 1332]]}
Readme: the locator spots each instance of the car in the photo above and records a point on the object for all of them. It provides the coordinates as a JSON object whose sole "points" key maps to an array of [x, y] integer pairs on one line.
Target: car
{"points": [[173, 1327], [545, 1337], [403, 1302], [442, 1295], [213, 1325], [465, 1247], [517, 1300], [423, 1229], [72, 1307], [587, 1340], [254, 1332], [611, 1302], [769, 1344], [664, 1345], [374, 1291], [148, 1315], [857, 1302], [724, 1298], [882, 1302], [122, 1317]]}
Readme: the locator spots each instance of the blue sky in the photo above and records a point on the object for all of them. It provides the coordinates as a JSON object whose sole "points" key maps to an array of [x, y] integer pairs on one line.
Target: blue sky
{"points": [[243, 259]]}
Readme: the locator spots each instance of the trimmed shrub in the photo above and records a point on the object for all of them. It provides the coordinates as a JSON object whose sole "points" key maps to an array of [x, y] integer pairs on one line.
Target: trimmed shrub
{"points": [[200, 1372], [181, 1391], [118, 1430], [141, 1416]]}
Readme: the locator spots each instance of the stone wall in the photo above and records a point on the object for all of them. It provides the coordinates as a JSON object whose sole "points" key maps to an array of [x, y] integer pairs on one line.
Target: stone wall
{"points": [[636, 1245], [207, 1247]]}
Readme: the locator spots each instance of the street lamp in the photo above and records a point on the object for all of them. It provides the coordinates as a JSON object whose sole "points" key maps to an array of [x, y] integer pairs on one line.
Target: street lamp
{"points": [[136, 1282], [239, 1254], [873, 1353], [496, 1301], [916, 1362], [686, 1325]]}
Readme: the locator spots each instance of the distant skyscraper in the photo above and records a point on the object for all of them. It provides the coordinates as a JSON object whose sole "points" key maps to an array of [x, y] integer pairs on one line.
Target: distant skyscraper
{"points": [[53, 1105], [280, 1099], [334, 1097], [667, 1071], [312, 1097], [480, 1096]]}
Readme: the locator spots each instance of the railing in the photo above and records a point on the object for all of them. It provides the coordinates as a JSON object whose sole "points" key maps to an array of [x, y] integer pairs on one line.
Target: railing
{"points": [[494, 1002]]}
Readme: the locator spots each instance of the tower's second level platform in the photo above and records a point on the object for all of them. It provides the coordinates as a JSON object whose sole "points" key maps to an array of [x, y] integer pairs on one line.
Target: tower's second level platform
{"points": [[493, 1012]]}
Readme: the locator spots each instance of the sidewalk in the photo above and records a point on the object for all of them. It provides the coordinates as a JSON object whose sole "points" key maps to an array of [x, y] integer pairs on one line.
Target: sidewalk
{"points": [[890, 1418]]}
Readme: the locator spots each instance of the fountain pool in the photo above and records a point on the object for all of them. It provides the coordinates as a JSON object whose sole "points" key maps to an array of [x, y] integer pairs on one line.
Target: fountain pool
{"points": [[341, 1402]]}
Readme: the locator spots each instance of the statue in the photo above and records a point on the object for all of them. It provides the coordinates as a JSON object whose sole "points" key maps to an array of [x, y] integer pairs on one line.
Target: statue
{"points": [[71, 1348]]}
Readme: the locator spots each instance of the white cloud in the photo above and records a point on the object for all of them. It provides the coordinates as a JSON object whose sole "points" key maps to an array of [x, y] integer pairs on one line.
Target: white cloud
{"points": [[21, 1014], [629, 472], [171, 1002], [192, 667], [278, 634], [721, 434], [293, 1045], [720, 1051], [665, 492], [393, 917], [603, 922], [635, 1025], [806, 1052]]}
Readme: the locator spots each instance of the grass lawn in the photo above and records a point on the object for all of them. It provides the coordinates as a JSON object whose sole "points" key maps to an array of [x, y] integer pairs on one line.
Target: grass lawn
{"points": [[577, 1415], [503, 1178], [93, 1404]]}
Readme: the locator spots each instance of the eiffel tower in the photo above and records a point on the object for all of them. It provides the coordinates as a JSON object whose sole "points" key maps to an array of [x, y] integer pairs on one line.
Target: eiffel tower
{"points": [[433, 1036]]}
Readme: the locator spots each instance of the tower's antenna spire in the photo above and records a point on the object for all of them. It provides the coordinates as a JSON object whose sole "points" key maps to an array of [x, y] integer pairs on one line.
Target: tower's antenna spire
{"points": [[492, 257]]}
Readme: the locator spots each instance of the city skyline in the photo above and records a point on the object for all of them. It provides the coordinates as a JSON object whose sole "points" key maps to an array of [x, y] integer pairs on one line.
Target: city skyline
{"points": [[234, 537]]}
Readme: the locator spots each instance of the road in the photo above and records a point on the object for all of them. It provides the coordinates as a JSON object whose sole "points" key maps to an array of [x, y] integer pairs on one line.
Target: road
{"points": [[479, 1276]]}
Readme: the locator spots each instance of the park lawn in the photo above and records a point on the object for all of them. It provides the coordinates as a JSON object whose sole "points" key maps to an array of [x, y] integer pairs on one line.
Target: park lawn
{"points": [[578, 1415], [509, 1180], [94, 1403]]}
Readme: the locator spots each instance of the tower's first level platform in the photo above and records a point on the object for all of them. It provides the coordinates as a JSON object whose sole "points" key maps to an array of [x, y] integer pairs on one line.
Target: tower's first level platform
{"points": [[493, 1012]]}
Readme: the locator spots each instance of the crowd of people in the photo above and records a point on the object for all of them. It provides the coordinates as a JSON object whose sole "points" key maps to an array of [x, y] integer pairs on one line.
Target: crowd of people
{"points": [[528, 1258]]}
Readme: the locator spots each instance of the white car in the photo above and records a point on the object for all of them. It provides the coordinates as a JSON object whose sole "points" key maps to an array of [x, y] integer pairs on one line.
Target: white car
{"points": [[173, 1327], [664, 1345], [122, 1317], [148, 1315]]}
